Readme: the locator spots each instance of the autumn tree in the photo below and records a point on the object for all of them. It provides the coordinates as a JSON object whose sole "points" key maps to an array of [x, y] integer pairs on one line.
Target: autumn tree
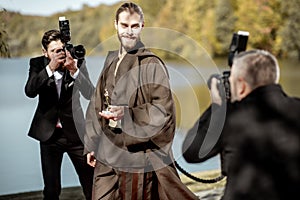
{"points": [[151, 9], [262, 19], [4, 47], [224, 25], [290, 34]]}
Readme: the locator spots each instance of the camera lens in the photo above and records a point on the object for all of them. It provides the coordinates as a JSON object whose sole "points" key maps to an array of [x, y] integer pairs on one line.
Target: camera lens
{"points": [[79, 51]]}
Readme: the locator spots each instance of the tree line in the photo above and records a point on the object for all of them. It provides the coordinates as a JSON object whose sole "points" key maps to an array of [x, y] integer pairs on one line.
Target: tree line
{"points": [[274, 25]]}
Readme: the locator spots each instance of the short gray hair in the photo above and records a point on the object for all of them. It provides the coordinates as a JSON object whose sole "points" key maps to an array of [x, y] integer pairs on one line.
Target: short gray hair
{"points": [[258, 67]]}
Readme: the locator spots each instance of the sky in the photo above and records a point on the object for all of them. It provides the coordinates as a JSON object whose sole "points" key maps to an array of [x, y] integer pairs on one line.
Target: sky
{"points": [[48, 7]]}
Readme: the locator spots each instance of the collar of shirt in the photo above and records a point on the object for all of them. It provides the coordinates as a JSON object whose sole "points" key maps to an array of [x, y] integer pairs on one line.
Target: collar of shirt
{"points": [[121, 55], [58, 75]]}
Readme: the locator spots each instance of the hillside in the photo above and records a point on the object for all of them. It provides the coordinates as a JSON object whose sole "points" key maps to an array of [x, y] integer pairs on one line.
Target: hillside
{"points": [[210, 23]]}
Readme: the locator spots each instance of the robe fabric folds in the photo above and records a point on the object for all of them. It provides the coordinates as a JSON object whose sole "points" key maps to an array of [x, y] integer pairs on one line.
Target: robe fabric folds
{"points": [[134, 159]]}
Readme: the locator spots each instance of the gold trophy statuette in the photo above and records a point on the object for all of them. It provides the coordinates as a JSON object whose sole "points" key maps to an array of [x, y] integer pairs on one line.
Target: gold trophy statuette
{"points": [[112, 123], [106, 95]]}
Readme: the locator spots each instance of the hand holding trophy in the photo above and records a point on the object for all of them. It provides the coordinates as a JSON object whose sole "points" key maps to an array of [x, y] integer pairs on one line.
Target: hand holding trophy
{"points": [[107, 114], [107, 110]]}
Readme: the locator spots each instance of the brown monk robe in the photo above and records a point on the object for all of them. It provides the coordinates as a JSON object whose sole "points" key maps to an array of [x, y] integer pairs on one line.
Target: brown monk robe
{"points": [[134, 156]]}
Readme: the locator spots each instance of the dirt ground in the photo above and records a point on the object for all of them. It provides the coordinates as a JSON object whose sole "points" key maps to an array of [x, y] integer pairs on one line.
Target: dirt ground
{"points": [[204, 191]]}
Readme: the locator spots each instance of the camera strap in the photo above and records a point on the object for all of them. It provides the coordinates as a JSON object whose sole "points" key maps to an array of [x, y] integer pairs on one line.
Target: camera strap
{"points": [[201, 180]]}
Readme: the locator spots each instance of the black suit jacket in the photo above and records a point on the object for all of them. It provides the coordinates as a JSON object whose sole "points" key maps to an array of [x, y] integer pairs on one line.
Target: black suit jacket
{"points": [[50, 107], [259, 145]]}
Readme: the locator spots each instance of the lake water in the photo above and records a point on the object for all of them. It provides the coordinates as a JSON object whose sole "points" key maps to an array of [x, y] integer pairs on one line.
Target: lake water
{"points": [[20, 161]]}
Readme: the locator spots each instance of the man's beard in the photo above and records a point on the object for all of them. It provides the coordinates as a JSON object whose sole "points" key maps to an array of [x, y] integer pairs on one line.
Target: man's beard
{"points": [[128, 42]]}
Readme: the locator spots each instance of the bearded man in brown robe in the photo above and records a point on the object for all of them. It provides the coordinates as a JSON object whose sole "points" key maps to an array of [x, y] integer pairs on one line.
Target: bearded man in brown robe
{"points": [[131, 121]]}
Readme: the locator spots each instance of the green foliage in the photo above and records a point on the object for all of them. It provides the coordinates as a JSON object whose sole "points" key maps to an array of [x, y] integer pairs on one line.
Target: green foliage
{"points": [[262, 19], [4, 47], [274, 25], [224, 26], [290, 33], [151, 9]]}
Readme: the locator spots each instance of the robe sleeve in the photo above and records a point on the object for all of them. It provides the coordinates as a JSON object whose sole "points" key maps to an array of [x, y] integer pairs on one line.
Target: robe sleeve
{"points": [[150, 122]]}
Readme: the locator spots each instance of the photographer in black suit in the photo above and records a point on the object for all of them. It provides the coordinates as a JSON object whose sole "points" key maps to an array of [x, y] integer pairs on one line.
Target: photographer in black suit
{"points": [[260, 140], [59, 122]]}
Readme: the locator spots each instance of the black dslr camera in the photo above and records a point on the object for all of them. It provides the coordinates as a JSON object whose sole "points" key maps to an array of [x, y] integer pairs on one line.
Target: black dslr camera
{"points": [[238, 44], [77, 52]]}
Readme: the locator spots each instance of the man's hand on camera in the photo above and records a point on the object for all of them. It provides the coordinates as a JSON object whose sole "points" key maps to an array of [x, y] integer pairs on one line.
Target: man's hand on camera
{"points": [[215, 95], [57, 60], [71, 63]]}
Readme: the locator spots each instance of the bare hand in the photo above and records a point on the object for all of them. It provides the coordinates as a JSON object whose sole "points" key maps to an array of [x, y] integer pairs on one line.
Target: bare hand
{"points": [[70, 64], [215, 95], [91, 160], [58, 59], [116, 113]]}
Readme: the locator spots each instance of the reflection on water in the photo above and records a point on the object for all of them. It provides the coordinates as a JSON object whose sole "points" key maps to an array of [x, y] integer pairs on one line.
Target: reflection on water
{"points": [[20, 164]]}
